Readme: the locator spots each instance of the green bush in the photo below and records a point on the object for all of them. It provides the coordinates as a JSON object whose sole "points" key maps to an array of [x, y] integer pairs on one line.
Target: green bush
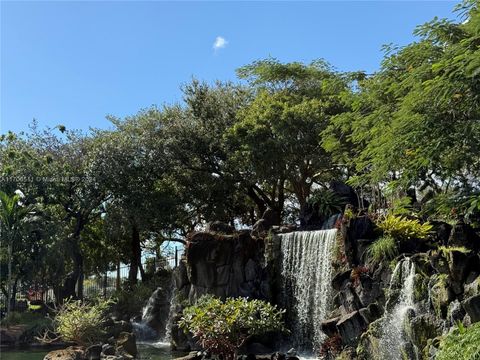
{"points": [[461, 344], [80, 322], [328, 202], [384, 248], [31, 320], [402, 229], [222, 327]]}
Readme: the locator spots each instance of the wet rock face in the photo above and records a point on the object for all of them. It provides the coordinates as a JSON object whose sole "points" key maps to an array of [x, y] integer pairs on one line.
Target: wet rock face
{"points": [[157, 311], [223, 265], [472, 307]]}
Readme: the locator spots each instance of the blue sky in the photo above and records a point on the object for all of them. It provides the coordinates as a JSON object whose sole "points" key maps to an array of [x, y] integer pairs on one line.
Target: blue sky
{"points": [[72, 63]]}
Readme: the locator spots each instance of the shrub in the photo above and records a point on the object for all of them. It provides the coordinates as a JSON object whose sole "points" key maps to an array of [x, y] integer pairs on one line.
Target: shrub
{"points": [[357, 273], [331, 347], [31, 320], [222, 327], [402, 229], [461, 344], [327, 202], [384, 248], [80, 322]]}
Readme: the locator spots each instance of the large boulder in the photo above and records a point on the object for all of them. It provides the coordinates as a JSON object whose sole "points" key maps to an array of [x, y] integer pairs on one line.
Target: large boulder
{"points": [[115, 328], [93, 352], [70, 353], [126, 343], [157, 311], [464, 235], [472, 307], [351, 326]]}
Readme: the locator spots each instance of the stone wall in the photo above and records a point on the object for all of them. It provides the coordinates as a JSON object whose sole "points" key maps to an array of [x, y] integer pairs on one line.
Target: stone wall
{"points": [[224, 265]]}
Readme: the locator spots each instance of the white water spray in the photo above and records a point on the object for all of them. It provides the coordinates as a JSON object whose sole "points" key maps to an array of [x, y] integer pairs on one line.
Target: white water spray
{"points": [[393, 338], [307, 273]]}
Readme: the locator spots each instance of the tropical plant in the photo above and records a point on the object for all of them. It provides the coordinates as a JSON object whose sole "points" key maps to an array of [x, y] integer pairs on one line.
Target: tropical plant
{"points": [[80, 322], [327, 202], [384, 248], [401, 228], [222, 327], [12, 214]]}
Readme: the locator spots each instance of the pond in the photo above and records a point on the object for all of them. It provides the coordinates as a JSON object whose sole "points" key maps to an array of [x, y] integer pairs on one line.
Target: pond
{"points": [[147, 351]]}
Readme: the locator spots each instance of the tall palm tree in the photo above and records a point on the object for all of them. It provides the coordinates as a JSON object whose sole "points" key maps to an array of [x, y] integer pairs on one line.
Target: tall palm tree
{"points": [[12, 214]]}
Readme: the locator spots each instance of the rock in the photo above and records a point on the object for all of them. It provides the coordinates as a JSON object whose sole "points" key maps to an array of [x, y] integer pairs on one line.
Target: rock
{"points": [[93, 352], [464, 235], [357, 228], [108, 349], [339, 279], [11, 335], [472, 307], [257, 348], [278, 356], [368, 290], [440, 232], [458, 265], [70, 353], [455, 312], [329, 327], [292, 352], [157, 311], [424, 327], [220, 227], [441, 295], [351, 326], [347, 299], [117, 327], [346, 192], [472, 285], [126, 342]]}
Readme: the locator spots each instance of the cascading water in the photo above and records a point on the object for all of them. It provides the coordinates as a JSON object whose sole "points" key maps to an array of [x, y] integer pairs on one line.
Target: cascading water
{"points": [[154, 323], [306, 276], [393, 338]]}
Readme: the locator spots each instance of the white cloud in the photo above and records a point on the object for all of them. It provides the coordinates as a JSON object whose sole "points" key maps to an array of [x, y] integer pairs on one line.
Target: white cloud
{"points": [[220, 43]]}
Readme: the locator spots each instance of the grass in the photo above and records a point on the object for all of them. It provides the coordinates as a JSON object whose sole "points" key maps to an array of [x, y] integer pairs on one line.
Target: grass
{"points": [[461, 344], [384, 248]]}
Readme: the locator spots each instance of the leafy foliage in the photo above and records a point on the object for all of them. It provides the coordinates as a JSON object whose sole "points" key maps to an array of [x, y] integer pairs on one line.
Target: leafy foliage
{"points": [[222, 327], [327, 202], [401, 228], [461, 344], [80, 322], [384, 248]]}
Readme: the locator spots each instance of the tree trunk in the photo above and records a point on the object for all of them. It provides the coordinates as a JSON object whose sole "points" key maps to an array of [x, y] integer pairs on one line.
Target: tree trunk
{"points": [[135, 256], [9, 277], [78, 269]]}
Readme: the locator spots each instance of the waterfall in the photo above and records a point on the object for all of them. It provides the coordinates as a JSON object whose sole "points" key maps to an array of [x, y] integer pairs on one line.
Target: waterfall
{"points": [[156, 313], [394, 340], [306, 277]]}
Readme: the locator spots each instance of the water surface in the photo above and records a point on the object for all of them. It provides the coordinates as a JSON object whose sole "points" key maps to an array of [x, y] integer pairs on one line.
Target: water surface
{"points": [[147, 351]]}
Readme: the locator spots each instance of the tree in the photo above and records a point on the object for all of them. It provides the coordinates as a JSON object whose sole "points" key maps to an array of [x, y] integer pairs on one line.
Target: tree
{"points": [[415, 122], [12, 216], [278, 138], [223, 327]]}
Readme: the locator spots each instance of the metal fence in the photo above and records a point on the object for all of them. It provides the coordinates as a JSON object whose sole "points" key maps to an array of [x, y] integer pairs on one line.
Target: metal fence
{"points": [[96, 285]]}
